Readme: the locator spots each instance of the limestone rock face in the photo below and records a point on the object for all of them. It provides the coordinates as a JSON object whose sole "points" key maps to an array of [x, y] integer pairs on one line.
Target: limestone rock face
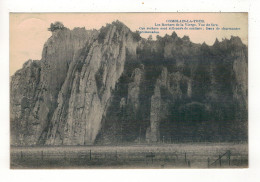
{"points": [[24, 90], [170, 84], [134, 89], [153, 134], [90, 87], [240, 68], [45, 80], [109, 86]]}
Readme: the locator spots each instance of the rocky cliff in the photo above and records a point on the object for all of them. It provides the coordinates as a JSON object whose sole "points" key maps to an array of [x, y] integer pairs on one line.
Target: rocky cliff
{"points": [[112, 86]]}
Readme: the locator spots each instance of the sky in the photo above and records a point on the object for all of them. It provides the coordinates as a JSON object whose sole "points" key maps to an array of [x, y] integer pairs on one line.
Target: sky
{"points": [[28, 31]]}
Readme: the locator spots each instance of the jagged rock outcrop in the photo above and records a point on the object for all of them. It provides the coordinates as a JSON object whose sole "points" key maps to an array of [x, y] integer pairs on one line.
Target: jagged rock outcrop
{"points": [[111, 86], [171, 86], [58, 52], [79, 69], [134, 89], [24, 90], [152, 133], [91, 88]]}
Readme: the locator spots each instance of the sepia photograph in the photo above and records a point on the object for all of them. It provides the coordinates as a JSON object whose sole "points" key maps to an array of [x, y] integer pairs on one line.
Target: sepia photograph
{"points": [[128, 90]]}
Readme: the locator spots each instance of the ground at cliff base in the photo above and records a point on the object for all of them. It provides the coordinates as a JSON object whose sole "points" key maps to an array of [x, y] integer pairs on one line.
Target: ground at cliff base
{"points": [[186, 155]]}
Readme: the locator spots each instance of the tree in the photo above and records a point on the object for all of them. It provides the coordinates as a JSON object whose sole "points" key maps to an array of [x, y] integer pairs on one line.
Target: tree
{"points": [[158, 37], [150, 38], [56, 26], [136, 36]]}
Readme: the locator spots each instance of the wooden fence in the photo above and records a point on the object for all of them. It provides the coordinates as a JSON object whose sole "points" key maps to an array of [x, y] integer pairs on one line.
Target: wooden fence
{"points": [[149, 158], [219, 160]]}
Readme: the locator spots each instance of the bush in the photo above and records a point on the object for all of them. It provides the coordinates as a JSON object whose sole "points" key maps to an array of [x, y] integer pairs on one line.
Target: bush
{"points": [[56, 26], [136, 36]]}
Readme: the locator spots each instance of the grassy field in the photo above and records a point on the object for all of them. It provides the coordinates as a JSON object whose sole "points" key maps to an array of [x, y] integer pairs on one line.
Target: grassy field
{"points": [[187, 155]]}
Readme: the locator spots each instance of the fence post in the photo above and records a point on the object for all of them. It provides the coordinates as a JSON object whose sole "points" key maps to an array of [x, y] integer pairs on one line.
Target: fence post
{"points": [[229, 154], [185, 158], [21, 154], [208, 162], [188, 163], [89, 154], [219, 158]]}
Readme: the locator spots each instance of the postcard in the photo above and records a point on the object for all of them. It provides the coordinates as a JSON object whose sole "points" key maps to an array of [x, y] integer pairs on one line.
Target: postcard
{"points": [[128, 90]]}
